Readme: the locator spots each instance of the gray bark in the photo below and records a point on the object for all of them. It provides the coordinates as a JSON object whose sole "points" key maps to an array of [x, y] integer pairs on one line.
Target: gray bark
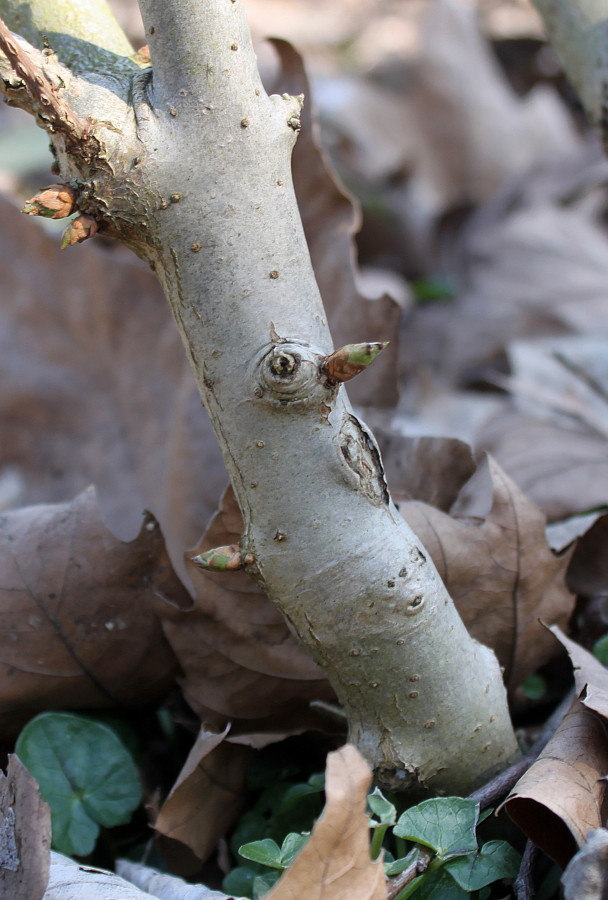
{"points": [[197, 181]]}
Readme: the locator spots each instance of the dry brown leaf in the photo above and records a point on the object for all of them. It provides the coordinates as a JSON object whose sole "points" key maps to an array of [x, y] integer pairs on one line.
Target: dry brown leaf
{"points": [[207, 796], [335, 863], [25, 835], [590, 676], [559, 799], [499, 571], [76, 613], [239, 659], [432, 470], [330, 218], [522, 268], [554, 441], [474, 132], [82, 401], [588, 571]]}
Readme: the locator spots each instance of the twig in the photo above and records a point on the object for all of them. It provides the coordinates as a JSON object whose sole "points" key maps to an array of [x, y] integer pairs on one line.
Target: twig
{"points": [[56, 114], [523, 885], [395, 885], [504, 781]]}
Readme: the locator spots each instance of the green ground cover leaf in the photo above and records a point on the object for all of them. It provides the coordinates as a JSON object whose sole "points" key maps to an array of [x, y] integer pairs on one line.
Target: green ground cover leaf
{"points": [[445, 824], [85, 774], [495, 860]]}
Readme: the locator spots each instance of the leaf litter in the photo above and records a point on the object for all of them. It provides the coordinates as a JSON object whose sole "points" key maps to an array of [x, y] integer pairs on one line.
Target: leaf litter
{"points": [[518, 234]]}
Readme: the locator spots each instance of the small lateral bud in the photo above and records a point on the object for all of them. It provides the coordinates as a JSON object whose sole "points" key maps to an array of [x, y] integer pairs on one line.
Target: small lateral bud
{"points": [[79, 229], [350, 360], [223, 559], [54, 202]]}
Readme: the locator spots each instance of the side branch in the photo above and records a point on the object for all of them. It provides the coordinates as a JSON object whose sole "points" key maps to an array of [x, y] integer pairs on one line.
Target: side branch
{"points": [[45, 102], [84, 35]]}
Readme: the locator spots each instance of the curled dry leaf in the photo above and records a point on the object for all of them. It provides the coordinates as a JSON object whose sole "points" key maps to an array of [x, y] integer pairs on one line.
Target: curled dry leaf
{"points": [[560, 798], [330, 218], [499, 570], [239, 659], [335, 863], [207, 796], [76, 614], [25, 835]]}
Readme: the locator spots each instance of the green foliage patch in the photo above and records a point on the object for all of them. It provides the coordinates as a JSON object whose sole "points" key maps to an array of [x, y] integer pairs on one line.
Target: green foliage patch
{"points": [[459, 869], [85, 774]]}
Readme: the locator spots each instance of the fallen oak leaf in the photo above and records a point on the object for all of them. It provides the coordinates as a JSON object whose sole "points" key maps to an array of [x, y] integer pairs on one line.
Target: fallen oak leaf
{"points": [[335, 863], [499, 570], [79, 402], [553, 439], [76, 612]]}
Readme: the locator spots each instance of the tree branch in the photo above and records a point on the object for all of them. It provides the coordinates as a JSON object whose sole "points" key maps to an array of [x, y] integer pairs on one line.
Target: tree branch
{"points": [[210, 37], [84, 34], [578, 29], [45, 99], [196, 176]]}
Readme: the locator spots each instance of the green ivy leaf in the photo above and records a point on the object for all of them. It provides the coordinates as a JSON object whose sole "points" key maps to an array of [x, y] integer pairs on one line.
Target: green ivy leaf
{"points": [[534, 687], [291, 846], [382, 808], [600, 649], [85, 774], [267, 852], [437, 885], [495, 860], [239, 882], [263, 883], [445, 824]]}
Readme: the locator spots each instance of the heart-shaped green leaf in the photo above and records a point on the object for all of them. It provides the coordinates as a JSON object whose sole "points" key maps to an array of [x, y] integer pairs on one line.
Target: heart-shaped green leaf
{"points": [[85, 774], [445, 824], [494, 861]]}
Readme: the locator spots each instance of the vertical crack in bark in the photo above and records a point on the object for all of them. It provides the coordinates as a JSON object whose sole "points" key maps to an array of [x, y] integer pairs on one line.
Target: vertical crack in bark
{"points": [[360, 453]]}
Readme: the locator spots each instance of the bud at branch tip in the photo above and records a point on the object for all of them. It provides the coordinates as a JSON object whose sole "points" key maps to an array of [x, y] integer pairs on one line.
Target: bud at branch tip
{"points": [[223, 559], [350, 360], [53, 202]]}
